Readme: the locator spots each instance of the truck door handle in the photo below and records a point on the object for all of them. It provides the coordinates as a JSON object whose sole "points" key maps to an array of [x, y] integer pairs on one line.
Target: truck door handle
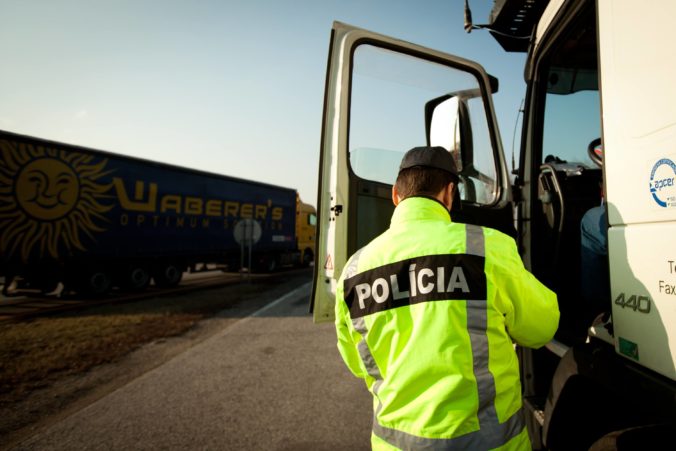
{"points": [[337, 209]]}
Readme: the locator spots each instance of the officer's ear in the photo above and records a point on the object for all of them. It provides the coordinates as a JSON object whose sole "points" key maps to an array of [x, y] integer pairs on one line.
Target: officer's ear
{"points": [[447, 195], [457, 202], [395, 195]]}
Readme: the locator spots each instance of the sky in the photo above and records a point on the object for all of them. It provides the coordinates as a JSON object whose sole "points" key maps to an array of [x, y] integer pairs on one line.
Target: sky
{"points": [[231, 87]]}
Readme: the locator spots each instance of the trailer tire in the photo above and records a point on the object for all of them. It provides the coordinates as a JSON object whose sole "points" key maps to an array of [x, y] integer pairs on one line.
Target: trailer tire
{"points": [[168, 275], [136, 278], [95, 282], [308, 257], [269, 263], [272, 264], [48, 283]]}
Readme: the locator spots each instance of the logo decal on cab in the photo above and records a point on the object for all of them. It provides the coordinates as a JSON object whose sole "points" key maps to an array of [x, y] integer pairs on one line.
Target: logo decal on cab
{"points": [[663, 183]]}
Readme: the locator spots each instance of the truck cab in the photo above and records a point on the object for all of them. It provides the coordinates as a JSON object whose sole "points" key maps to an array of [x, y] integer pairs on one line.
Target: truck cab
{"points": [[598, 132], [306, 224]]}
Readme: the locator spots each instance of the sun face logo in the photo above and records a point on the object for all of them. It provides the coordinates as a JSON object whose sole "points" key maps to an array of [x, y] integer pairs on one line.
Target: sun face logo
{"points": [[47, 189], [49, 198]]}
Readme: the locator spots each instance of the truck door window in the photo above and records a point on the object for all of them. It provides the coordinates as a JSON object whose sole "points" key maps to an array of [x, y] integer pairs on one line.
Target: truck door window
{"points": [[572, 121], [387, 117], [572, 117]]}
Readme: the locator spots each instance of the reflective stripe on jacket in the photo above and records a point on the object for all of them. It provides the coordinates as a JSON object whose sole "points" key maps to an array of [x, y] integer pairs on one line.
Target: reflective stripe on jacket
{"points": [[427, 314]]}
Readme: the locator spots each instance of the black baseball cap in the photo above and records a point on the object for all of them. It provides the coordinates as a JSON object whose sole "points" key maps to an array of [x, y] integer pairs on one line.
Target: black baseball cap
{"points": [[429, 157]]}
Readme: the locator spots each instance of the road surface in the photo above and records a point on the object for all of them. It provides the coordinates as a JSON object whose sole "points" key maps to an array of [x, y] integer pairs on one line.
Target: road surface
{"points": [[272, 381]]}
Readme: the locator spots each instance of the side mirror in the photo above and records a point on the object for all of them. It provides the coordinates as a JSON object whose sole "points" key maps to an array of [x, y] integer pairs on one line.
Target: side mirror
{"points": [[445, 126], [448, 125]]}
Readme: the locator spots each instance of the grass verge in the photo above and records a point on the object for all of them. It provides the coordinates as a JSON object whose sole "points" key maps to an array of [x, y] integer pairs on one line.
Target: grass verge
{"points": [[38, 352]]}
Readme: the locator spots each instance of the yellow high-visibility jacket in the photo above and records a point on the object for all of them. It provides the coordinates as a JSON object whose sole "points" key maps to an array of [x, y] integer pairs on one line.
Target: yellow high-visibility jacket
{"points": [[428, 314]]}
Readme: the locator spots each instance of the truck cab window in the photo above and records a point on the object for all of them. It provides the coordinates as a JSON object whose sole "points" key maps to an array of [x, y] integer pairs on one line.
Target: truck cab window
{"points": [[572, 106], [572, 121], [389, 93]]}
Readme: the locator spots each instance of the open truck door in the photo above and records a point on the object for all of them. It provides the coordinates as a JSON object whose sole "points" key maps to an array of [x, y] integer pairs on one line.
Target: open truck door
{"points": [[383, 97]]}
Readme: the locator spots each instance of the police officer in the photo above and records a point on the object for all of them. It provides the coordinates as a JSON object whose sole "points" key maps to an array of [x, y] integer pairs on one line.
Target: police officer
{"points": [[428, 313]]}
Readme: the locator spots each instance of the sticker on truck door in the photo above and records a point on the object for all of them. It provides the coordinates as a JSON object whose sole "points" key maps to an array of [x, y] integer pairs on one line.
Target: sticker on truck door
{"points": [[662, 183]]}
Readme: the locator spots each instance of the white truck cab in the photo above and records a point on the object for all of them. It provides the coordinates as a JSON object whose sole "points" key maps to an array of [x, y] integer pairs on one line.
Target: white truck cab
{"points": [[599, 132]]}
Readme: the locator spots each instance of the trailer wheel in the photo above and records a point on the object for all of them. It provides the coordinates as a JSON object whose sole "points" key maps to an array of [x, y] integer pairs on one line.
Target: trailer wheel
{"points": [[269, 263], [168, 275], [48, 283], [307, 257], [136, 278], [95, 282]]}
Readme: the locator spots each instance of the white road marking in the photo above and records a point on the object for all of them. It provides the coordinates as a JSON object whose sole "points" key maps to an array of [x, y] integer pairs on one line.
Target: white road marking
{"points": [[286, 297]]}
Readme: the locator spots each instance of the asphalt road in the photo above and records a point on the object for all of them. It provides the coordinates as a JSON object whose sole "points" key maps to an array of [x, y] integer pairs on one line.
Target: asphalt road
{"points": [[272, 381]]}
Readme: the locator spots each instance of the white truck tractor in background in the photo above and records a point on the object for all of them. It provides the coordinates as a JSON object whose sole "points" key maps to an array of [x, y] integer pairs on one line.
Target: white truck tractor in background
{"points": [[599, 128]]}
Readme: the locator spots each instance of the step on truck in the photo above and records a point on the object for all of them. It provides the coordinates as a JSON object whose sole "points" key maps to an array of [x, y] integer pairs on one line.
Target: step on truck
{"points": [[598, 131], [93, 220]]}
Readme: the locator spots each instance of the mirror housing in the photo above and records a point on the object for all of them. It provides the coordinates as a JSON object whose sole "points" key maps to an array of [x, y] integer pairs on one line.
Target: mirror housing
{"points": [[439, 106]]}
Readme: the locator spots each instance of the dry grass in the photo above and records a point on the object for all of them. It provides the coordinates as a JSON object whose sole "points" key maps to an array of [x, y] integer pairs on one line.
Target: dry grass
{"points": [[36, 353]]}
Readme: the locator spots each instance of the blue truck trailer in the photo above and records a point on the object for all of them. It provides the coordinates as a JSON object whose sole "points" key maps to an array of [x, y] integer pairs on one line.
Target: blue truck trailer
{"points": [[93, 219]]}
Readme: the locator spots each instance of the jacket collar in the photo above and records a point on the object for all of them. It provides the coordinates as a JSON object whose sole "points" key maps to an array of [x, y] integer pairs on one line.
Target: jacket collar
{"points": [[419, 208]]}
